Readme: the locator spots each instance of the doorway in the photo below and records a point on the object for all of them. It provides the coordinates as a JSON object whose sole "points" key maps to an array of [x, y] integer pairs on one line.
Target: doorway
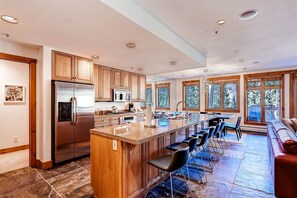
{"points": [[32, 101]]}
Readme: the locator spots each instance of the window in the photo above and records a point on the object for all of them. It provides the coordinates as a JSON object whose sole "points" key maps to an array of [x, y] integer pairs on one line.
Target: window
{"points": [[263, 98], [223, 94], [149, 95], [191, 95], [293, 95], [163, 96]]}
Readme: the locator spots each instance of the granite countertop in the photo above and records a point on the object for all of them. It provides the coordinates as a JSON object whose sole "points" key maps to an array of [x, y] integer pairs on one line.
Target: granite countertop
{"points": [[119, 114], [136, 133]]}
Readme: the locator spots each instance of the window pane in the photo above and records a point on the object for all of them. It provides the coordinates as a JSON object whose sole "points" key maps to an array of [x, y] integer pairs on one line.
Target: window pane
{"points": [[163, 99], [254, 84], [254, 105], [192, 96], [272, 83], [214, 99], [149, 97], [272, 104], [230, 96]]}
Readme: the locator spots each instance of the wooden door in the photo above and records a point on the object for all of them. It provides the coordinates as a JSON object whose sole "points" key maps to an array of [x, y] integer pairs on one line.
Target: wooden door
{"points": [[134, 87], [142, 83], [117, 79], [105, 91], [83, 70], [62, 66], [96, 81], [125, 80]]}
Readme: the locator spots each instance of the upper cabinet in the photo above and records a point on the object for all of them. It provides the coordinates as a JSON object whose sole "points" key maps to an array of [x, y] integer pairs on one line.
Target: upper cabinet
{"points": [[138, 83], [120, 79], [67, 67], [102, 82]]}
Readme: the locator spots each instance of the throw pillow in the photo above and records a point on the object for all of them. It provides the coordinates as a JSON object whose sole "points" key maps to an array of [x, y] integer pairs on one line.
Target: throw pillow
{"points": [[294, 122]]}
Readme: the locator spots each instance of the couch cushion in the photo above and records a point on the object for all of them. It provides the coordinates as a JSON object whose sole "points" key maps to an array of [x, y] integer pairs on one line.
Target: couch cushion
{"points": [[289, 124], [287, 140]]}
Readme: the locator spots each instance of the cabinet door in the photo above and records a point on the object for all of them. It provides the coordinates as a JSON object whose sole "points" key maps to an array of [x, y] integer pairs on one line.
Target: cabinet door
{"points": [[125, 79], [105, 91], [83, 70], [62, 66], [117, 78], [96, 81], [134, 87], [142, 82]]}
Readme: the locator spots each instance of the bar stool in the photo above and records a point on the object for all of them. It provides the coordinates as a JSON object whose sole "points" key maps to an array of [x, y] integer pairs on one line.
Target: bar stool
{"points": [[171, 163], [192, 146]]}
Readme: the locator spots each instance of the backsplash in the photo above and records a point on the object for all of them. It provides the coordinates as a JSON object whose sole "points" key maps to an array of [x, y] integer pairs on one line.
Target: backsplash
{"points": [[120, 105]]}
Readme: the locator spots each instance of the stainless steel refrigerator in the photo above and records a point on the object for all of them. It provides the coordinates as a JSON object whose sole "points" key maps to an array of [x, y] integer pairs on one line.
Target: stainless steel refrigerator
{"points": [[73, 117]]}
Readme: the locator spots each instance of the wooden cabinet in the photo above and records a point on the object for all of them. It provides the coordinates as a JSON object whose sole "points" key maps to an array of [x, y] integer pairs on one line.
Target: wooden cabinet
{"points": [[67, 67], [138, 83], [102, 82], [120, 79]]}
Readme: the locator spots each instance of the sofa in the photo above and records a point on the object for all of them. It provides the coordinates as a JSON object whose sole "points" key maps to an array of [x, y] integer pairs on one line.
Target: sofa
{"points": [[282, 148]]}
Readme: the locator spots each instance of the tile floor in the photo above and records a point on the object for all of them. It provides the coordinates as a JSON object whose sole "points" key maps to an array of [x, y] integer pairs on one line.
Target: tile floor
{"points": [[243, 171]]}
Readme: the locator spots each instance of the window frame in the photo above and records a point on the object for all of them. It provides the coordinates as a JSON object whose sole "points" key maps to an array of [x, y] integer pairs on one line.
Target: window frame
{"points": [[222, 81], [190, 83], [263, 77], [293, 94], [162, 85]]}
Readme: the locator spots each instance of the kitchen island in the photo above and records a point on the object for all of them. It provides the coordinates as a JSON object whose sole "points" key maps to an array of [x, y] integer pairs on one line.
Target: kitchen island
{"points": [[119, 154]]}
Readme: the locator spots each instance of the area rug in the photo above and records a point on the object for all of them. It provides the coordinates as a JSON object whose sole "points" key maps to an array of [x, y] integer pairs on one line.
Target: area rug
{"points": [[231, 137]]}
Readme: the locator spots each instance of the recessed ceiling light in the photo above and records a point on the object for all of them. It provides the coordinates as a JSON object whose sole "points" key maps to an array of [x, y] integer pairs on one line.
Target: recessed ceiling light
{"points": [[255, 62], [236, 51], [9, 19], [244, 68], [172, 63], [241, 60], [139, 69], [131, 45], [5, 35], [248, 14], [221, 22], [95, 57]]}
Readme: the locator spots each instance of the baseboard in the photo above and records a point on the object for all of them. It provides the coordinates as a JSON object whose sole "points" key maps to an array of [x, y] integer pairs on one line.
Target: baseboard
{"points": [[44, 165], [13, 149]]}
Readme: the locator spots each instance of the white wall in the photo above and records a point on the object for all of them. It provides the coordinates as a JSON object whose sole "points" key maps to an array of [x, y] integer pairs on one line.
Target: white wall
{"points": [[14, 119]]}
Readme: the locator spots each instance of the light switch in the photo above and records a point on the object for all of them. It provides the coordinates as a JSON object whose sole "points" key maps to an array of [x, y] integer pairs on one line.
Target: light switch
{"points": [[114, 145]]}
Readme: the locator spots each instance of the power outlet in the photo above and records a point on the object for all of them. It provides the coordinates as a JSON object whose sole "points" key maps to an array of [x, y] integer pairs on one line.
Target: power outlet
{"points": [[15, 140], [114, 145]]}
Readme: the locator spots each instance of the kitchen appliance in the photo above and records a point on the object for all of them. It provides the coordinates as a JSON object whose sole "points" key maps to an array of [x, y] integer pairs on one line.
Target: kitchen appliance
{"points": [[122, 95], [114, 109], [128, 119], [72, 117]]}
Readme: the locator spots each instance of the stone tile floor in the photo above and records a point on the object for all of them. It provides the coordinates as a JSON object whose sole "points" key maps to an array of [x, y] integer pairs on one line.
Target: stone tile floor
{"points": [[243, 171]]}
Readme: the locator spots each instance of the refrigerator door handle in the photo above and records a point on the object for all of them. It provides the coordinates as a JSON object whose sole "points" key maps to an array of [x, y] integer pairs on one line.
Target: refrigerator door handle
{"points": [[72, 100], [75, 99]]}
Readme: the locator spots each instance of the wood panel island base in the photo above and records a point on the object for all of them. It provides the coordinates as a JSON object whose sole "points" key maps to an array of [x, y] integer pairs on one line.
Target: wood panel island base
{"points": [[119, 154]]}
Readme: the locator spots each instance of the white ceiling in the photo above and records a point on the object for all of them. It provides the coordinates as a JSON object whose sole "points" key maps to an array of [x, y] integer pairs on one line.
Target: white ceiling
{"points": [[164, 31]]}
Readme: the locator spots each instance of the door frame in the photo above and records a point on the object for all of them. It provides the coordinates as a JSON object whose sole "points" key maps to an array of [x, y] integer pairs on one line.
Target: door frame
{"points": [[32, 101]]}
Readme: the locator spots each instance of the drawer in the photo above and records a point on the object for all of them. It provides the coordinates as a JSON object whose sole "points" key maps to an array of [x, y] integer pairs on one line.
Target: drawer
{"points": [[102, 120], [113, 119], [102, 125]]}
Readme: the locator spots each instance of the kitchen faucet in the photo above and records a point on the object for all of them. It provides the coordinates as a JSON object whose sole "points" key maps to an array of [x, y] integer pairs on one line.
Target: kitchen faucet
{"points": [[187, 113]]}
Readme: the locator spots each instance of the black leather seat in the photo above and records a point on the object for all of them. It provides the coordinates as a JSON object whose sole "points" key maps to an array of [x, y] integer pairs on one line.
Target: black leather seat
{"points": [[170, 163], [235, 127]]}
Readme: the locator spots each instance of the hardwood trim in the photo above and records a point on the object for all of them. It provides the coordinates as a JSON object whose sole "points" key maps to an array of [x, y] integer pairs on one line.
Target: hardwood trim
{"points": [[222, 81], [44, 165], [162, 85], [32, 101], [13, 149], [148, 86], [293, 94], [268, 74], [190, 83]]}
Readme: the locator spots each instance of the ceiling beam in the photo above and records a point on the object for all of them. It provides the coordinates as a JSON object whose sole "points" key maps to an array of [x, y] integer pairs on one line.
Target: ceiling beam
{"points": [[138, 15]]}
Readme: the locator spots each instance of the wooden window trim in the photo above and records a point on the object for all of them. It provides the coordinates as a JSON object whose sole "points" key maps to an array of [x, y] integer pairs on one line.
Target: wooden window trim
{"points": [[146, 86], [222, 81], [263, 77], [293, 94], [162, 85], [189, 83]]}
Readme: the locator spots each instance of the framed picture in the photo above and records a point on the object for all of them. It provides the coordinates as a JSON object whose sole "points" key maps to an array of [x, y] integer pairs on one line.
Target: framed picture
{"points": [[14, 94]]}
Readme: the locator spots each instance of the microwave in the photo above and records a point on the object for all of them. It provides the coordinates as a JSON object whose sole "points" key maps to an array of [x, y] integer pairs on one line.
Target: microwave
{"points": [[122, 95]]}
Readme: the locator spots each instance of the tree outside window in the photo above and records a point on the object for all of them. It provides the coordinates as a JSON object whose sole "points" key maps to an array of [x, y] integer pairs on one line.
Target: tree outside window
{"points": [[149, 95], [191, 95], [223, 94], [163, 96]]}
